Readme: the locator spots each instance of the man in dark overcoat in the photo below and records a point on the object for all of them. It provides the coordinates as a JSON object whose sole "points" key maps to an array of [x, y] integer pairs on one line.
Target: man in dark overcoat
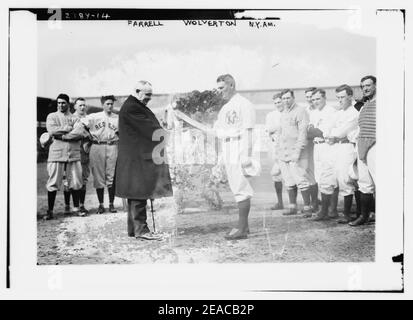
{"points": [[141, 169]]}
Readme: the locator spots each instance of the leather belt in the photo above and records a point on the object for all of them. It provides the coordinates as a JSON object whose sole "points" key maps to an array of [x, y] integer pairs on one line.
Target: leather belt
{"points": [[343, 140], [61, 139], [105, 142]]}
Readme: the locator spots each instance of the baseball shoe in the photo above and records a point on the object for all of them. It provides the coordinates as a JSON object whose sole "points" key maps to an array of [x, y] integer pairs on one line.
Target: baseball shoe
{"points": [[277, 206], [307, 212], [49, 215], [78, 212], [149, 236], [362, 219], [112, 208], [67, 211], [315, 207], [84, 210], [236, 234], [333, 214], [344, 220], [320, 217], [101, 209], [359, 221], [323, 213], [290, 211]]}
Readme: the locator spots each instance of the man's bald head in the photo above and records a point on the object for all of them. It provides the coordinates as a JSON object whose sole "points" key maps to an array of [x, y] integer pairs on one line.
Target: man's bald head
{"points": [[143, 91]]}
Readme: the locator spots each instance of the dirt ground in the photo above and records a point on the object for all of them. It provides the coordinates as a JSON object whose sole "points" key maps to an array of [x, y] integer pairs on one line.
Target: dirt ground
{"points": [[197, 234]]}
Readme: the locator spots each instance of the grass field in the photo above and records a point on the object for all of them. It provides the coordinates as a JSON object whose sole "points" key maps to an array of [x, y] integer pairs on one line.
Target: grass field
{"points": [[197, 235]]}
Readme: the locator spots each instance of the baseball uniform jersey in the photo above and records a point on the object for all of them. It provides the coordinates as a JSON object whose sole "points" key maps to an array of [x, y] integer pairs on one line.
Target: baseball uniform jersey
{"points": [[292, 147], [234, 118], [323, 156], [103, 129], [343, 129], [84, 154], [312, 114], [63, 155]]}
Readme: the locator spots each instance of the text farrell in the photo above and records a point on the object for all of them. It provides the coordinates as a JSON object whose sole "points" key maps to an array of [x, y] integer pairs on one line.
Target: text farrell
{"points": [[144, 24]]}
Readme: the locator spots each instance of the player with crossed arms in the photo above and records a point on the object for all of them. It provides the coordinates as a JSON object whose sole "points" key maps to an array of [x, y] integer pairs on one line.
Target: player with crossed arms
{"points": [[64, 154]]}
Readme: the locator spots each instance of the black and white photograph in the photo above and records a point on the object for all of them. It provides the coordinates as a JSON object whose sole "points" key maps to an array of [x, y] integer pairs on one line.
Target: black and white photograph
{"points": [[204, 140], [213, 99]]}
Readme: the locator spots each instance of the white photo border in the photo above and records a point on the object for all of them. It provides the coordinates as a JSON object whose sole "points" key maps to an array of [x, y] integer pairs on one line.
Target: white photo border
{"points": [[208, 281]]}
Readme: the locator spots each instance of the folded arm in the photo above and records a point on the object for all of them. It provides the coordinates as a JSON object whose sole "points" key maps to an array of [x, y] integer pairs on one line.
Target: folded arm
{"points": [[78, 133], [54, 128]]}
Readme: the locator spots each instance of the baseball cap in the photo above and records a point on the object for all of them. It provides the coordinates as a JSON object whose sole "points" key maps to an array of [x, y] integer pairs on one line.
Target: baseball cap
{"points": [[253, 169], [45, 139]]}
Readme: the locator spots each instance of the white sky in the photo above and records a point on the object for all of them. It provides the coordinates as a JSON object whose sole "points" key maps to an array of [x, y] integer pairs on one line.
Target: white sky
{"points": [[325, 48]]}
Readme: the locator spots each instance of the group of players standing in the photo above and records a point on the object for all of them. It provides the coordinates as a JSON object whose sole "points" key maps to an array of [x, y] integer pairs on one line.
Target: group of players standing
{"points": [[81, 144], [325, 148], [318, 148]]}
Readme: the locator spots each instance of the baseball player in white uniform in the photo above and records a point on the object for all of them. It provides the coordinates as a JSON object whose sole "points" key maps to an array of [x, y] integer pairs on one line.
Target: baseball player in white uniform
{"points": [[64, 154], [273, 127], [312, 111], [320, 123], [234, 127], [80, 113], [342, 138], [103, 128]]}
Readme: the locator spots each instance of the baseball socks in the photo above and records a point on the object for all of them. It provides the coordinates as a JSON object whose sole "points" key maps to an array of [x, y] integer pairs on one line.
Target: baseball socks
{"points": [[306, 194], [100, 194], [292, 196], [82, 197], [76, 196], [278, 185], [111, 191], [66, 194], [333, 207], [314, 197], [325, 203], [373, 204], [357, 194], [295, 193], [51, 197], [241, 232], [372, 216], [365, 205], [348, 201]]}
